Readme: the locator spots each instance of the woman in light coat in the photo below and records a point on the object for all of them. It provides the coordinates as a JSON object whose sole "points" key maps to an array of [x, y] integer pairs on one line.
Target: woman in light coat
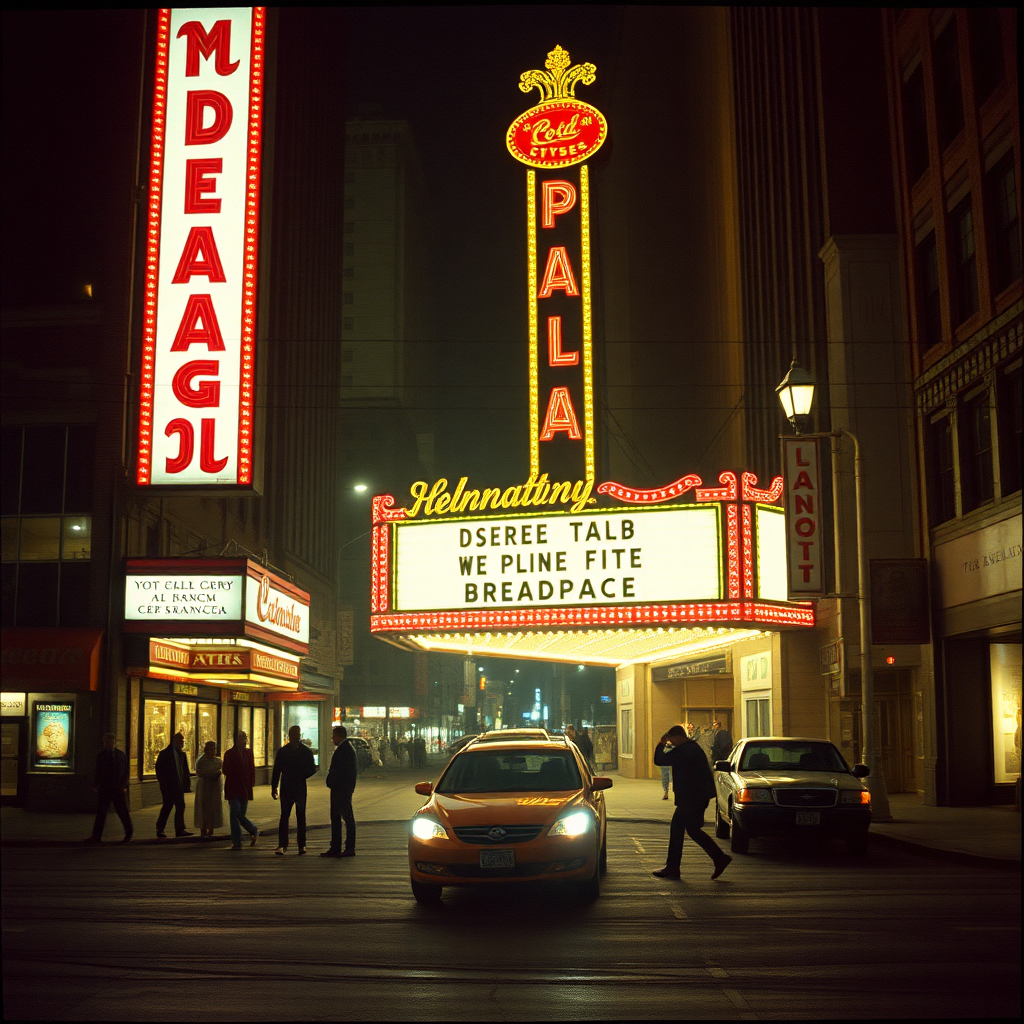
{"points": [[208, 808]]}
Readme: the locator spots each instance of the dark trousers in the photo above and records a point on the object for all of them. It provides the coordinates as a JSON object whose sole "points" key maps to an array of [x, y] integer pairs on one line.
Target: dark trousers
{"points": [[177, 802], [341, 810], [104, 798], [290, 799], [686, 820]]}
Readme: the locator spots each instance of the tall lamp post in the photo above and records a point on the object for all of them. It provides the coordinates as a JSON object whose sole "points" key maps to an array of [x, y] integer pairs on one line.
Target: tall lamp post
{"points": [[796, 393]]}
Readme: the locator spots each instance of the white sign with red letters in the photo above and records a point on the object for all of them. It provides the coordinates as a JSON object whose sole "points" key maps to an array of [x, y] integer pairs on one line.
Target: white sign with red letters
{"points": [[197, 391], [804, 517]]}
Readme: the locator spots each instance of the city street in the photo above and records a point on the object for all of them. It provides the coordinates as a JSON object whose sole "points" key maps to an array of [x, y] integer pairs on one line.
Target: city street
{"points": [[193, 931]]}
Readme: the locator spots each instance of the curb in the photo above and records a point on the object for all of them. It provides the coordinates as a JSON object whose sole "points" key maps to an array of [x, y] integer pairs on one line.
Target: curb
{"points": [[938, 853]]}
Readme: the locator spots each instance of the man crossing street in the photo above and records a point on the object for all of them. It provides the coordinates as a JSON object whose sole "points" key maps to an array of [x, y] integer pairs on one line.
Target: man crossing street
{"points": [[341, 780]]}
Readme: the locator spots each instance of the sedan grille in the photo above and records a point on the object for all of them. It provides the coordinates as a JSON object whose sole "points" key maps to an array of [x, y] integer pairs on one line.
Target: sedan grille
{"points": [[805, 797], [498, 833]]}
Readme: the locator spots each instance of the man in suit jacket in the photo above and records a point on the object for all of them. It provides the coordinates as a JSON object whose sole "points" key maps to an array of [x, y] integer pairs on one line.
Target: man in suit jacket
{"points": [[111, 786], [341, 780], [293, 764], [174, 777], [694, 786]]}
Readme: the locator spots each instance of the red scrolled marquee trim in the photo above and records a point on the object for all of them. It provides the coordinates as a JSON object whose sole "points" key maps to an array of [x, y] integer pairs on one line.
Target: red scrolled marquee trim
{"points": [[727, 492], [749, 491], [384, 511], [653, 495]]}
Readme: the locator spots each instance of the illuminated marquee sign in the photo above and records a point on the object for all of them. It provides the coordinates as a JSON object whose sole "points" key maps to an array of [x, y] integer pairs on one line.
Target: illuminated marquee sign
{"points": [[220, 663], [197, 394], [802, 467]]}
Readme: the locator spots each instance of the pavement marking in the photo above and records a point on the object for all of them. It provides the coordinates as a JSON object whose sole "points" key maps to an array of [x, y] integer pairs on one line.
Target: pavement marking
{"points": [[678, 911], [638, 845]]}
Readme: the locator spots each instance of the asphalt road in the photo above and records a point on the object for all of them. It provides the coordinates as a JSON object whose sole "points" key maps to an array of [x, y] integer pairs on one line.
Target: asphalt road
{"points": [[196, 932]]}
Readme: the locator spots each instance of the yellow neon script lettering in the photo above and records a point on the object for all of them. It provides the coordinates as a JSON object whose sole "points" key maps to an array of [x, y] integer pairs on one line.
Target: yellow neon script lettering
{"points": [[436, 500], [543, 134]]}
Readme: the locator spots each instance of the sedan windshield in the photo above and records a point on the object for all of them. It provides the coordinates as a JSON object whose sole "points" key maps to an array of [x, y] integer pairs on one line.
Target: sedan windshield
{"points": [[776, 755], [504, 772]]}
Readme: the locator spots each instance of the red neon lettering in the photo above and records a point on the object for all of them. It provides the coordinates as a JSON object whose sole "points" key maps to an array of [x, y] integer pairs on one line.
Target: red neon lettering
{"points": [[199, 258], [560, 416], [208, 391], [556, 357], [207, 462], [806, 545], [557, 274], [199, 42], [800, 458], [186, 439], [196, 104], [198, 324], [806, 569], [804, 503], [803, 480], [805, 527], [557, 197]]}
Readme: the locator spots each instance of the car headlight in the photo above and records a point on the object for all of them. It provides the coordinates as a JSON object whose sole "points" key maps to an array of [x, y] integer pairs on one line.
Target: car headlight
{"points": [[574, 824], [427, 828], [754, 796], [853, 797]]}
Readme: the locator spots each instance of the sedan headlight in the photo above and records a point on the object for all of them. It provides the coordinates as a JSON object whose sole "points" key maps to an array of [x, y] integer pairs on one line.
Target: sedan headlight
{"points": [[754, 796], [427, 828], [853, 797], [574, 824]]}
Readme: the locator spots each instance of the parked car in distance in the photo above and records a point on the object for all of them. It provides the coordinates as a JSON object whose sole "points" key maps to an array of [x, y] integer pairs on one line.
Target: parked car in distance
{"points": [[456, 745], [794, 787]]}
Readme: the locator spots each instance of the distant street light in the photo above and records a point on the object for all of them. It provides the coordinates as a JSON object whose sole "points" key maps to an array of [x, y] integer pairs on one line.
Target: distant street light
{"points": [[360, 488], [796, 393]]}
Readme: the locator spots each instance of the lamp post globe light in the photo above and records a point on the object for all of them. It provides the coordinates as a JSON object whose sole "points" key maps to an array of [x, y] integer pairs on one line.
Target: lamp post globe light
{"points": [[796, 393]]}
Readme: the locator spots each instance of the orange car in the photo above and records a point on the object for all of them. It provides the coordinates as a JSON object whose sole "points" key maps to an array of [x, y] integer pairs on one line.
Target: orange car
{"points": [[518, 811]]}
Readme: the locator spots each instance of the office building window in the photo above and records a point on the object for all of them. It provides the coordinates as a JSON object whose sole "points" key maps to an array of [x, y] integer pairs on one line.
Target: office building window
{"points": [[915, 127], [929, 299], [988, 60], [949, 100], [965, 265], [976, 480], [1008, 396], [1004, 217], [941, 474]]}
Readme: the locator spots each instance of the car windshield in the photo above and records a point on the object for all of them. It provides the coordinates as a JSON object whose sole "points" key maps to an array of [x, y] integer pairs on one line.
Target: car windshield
{"points": [[505, 772], [794, 755]]}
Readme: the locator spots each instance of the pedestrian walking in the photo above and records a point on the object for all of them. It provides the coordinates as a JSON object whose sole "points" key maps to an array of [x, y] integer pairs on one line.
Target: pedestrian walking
{"points": [[208, 806], [666, 777], [293, 764], [341, 781], [570, 733], [111, 787], [239, 779], [693, 785], [404, 753], [586, 745], [175, 781], [420, 747], [722, 745]]}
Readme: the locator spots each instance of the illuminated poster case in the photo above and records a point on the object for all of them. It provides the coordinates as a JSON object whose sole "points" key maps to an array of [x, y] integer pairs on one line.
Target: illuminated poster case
{"points": [[53, 735]]}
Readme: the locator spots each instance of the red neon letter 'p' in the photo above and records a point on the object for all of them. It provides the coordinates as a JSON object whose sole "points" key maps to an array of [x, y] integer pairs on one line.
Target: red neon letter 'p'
{"points": [[557, 197]]}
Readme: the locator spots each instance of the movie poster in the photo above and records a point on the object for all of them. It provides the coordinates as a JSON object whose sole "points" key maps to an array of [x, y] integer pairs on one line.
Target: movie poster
{"points": [[54, 723]]}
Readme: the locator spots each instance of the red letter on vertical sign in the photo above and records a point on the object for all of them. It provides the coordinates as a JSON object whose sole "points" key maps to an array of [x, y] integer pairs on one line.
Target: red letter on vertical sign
{"points": [[198, 323], [186, 438], [208, 391], [196, 103], [199, 257], [207, 463], [556, 357], [557, 197], [197, 182], [560, 416], [199, 42], [557, 274]]}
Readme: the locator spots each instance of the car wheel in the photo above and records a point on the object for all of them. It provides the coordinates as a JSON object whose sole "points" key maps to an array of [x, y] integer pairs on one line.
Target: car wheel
{"points": [[426, 893], [740, 841], [857, 845], [721, 827], [603, 859]]}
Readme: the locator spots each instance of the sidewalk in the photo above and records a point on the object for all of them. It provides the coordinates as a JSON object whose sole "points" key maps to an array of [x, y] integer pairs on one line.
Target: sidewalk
{"points": [[977, 834]]}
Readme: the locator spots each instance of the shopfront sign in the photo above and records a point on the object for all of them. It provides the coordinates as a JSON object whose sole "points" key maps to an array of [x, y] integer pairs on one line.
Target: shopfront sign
{"points": [[53, 731], [801, 458], [183, 597], [12, 705], [984, 563], [51, 660], [277, 608], [208, 662], [198, 387]]}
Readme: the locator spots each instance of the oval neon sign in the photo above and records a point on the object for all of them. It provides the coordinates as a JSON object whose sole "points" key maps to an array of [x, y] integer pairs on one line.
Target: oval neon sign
{"points": [[558, 133]]}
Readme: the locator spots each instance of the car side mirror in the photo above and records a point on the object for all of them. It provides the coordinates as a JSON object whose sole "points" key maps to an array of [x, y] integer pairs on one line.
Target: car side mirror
{"points": [[861, 771], [601, 782], [424, 788], [723, 766]]}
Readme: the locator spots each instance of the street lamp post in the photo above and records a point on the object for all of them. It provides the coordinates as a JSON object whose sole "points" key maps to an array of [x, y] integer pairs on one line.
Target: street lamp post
{"points": [[796, 393]]}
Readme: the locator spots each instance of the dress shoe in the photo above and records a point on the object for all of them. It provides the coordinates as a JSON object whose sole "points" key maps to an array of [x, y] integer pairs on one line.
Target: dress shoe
{"points": [[302, 850], [279, 852], [254, 838], [347, 853], [92, 839], [330, 853], [236, 846], [721, 864], [161, 835], [667, 874], [127, 838], [183, 835]]}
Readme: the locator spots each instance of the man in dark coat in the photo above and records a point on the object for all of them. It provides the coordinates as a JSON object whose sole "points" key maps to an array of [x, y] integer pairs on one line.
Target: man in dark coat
{"points": [[174, 777], [111, 788], [293, 764], [694, 786], [586, 745], [722, 744], [341, 781]]}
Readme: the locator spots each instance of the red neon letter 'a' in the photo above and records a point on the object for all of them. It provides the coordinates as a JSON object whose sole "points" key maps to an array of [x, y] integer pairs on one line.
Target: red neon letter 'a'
{"points": [[199, 42], [198, 324], [199, 258], [557, 274], [560, 416]]}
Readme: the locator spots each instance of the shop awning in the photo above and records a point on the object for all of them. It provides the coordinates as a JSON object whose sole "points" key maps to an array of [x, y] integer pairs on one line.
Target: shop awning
{"points": [[51, 659]]}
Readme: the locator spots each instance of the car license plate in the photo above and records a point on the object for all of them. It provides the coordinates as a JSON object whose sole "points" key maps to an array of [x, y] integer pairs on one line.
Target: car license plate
{"points": [[808, 817], [497, 858]]}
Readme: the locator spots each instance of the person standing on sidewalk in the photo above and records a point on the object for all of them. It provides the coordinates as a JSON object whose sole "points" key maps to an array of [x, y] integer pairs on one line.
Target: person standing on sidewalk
{"points": [[722, 745], [341, 781], [207, 808], [111, 788], [239, 779], [293, 764], [694, 786], [174, 777], [586, 745]]}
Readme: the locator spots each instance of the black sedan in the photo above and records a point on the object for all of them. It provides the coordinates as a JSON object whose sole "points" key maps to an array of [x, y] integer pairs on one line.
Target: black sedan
{"points": [[793, 787]]}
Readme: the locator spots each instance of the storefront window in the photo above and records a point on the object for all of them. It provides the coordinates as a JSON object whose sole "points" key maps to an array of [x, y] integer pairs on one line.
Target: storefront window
{"points": [[207, 724], [244, 722], [227, 727], [759, 715], [1005, 662], [626, 731], [307, 718], [156, 731], [259, 736], [185, 723]]}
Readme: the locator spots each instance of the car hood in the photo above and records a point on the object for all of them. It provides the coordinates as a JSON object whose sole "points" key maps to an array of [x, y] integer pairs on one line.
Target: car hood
{"points": [[778, 780], [503, 808]]}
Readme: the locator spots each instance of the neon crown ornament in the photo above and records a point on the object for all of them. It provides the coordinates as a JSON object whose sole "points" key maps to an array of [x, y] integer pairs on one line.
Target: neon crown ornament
{"points": [[560, 79]]}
